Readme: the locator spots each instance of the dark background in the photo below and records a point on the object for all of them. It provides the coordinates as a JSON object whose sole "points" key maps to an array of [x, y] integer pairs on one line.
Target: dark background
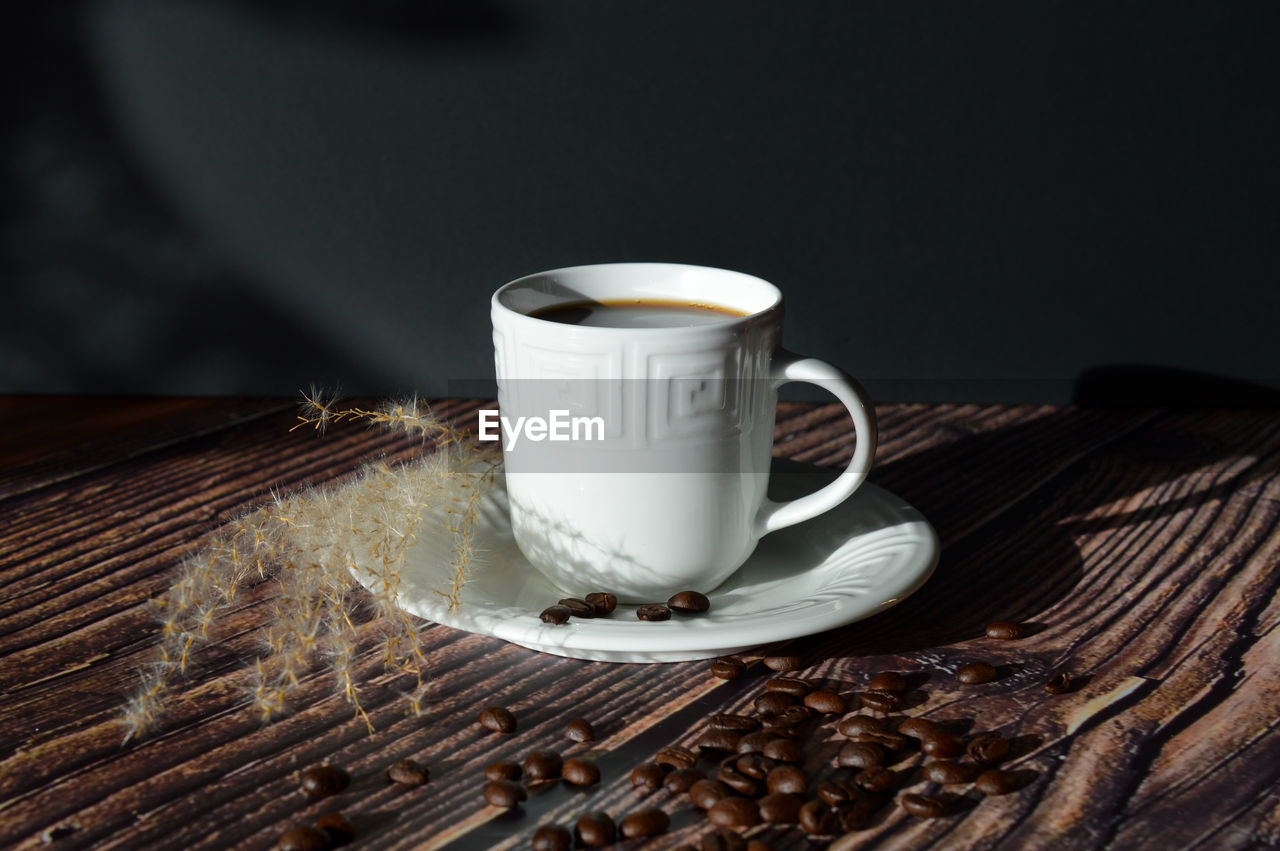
{"points": [[962, 201]]}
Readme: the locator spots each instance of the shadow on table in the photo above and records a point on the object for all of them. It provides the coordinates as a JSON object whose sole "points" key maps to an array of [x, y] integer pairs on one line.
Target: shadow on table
{"points": [[1009, 504]]}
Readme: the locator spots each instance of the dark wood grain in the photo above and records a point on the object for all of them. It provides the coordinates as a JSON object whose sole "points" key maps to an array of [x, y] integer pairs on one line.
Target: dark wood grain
{"points": [[1141, 547]]}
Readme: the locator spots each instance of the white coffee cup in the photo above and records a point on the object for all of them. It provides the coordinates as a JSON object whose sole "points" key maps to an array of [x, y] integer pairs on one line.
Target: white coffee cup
{"points": [[663, 488]]}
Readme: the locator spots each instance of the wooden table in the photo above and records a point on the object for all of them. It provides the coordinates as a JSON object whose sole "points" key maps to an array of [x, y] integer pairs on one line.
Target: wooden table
{"points": [[1140, 548]]}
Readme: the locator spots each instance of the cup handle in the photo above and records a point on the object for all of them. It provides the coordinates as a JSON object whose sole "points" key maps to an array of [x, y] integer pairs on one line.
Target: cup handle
{"points": [[787, 367]]}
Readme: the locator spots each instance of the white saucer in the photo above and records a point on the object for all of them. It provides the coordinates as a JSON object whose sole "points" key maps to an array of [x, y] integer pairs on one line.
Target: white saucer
{"points": [[852, 562]]}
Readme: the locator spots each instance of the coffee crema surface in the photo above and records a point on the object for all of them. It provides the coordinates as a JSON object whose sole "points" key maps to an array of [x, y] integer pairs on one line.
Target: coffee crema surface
{"points": [[636, 313]]}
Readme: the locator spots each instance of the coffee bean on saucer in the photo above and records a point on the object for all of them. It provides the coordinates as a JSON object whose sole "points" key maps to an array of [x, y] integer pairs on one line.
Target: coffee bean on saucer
{"points": [[602, 602], [704, 793], [942, 745], [946, 772], [825, 702], [783, 663], [916, 728], [304, 839], [595, 829], [408, 772], [542, 765], [734, 812], [922, 806], [852, 725], [987, 749], [996, 781], [504, 793], [880, 701], [648, 775], [675, 756], [888, 681], [555, 615], [578, 608], [734, 723], [976, 673], [793, 686], [817, 819], [727, 668], [1059, 683], [321, 781], [859, 755], [773, 702], [497, 719], [646, 822], [580, 730], [579, 771], [338, 827], [689, 602], [653, 612], [552, 837], [787, 778], [503, 769], [877, 778]]}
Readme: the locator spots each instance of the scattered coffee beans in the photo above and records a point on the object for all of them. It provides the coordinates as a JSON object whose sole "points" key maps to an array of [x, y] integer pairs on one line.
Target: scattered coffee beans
{"points": [[852, 725], [704, 793], [976, 673], [817, 819], [321, 781], [408, 772], [773, 702], [580, 730], [946, 772], [304, 839], [719, 740], [552, 837], [647, 822], [1059, 683], [996, 781], [916, 728], [779, 808], [988, 749], [503, 770], [793, 686], [922, 806], [675, 756], [654, 612], [689, 602], [785, 750], [737, 781], [579, 771], [1004, 630], [877, 778], [859, 755], [888, 681], [880, 701], [835, 792], [555, 614], [783, 663], [890, 741], [497, 719], [826, 702], [734, 812], [755, 742], [942, 744], [753, 765], [578, 608], [338, 827], [504, 793], [603, 603], [542, 765], [648, 775], [682, 779], [595, 829], [734, 723], [787, 778], [727, 668]]}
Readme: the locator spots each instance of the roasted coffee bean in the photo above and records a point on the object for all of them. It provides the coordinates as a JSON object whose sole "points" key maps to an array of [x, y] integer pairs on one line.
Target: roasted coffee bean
{"points": [[734, 812], [836, 792], [787, 778], [504, 793], [556, 614], [758, 845], [595, 829], [852, 725], [887, 681], [580, 730], [408, 772], [542, 765], [817, 819], [579, 771], [647, 822], [737, 781], [889, 741], [826, 702], [942, 744], [988, 749], [304, 839], [719, 740], [689, 602], [497, 719], [877, 778], [704, 793], [321, 781], [682, 779], [922, 806], [783, 663], [338, 827], [653, 612], [976, 673], [853, 815], [880, 701], [755, 742], [728, 668], [753, 765], [996, 781], [773, 702], [579, 608], [1004, 630], [859, 755], [735, 723], [916, 728], [793, 686], [1059, 683], [552, 837], [779, 808], [785, 750], [792, 716], [603, 603], [648, 775], [503, 770], [722, 839], [675, 756], [946, 772]]}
